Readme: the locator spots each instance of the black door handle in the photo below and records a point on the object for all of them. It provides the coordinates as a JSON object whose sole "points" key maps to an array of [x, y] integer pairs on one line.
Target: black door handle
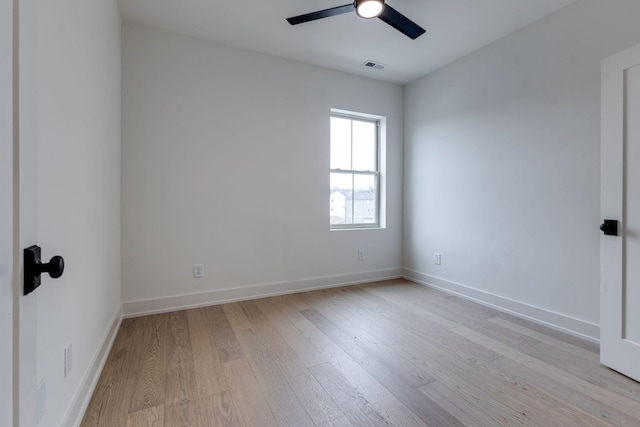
{"points": [[33, 268], [609, 227]]}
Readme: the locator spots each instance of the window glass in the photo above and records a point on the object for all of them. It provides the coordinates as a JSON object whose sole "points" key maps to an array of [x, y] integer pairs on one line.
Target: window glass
{"points": [[340, 143], [364, 146], [354, 173]]}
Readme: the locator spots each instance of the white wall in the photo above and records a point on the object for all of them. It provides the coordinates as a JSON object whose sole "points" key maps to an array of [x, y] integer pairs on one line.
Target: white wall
{"points": [[215, 142], [78, 184], [502, 165], [6, 211]]}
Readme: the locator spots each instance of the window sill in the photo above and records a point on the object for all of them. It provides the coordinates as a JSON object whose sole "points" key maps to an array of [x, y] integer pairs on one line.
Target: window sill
{"points": [[377, 227]]}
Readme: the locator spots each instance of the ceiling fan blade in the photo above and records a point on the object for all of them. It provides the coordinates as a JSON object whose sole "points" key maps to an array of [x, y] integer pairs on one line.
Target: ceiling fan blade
{"points": [[339, 10], [401, 22]]}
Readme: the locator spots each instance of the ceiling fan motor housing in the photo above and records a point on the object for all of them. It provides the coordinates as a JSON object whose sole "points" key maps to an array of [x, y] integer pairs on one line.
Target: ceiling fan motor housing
{"points": [[369, 8]]}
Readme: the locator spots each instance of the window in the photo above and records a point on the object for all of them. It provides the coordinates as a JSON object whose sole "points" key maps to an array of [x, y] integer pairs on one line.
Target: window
{"points": [[354, 172]]}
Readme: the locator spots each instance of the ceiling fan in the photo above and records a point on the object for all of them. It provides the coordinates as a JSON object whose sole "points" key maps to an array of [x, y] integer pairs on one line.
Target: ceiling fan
{"points": [[367, 9]]}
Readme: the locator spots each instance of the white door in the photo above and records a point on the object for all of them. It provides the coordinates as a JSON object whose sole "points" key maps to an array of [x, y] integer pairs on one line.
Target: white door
{"points": [[620, 200], [6, 214], [25, 313]]}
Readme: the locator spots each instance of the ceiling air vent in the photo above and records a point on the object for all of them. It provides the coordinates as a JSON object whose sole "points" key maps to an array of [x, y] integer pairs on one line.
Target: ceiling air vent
{"points": [[375, 65]]}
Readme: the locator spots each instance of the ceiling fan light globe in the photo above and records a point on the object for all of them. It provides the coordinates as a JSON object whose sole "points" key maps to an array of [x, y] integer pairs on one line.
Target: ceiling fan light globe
{"points": [[369, 8]]}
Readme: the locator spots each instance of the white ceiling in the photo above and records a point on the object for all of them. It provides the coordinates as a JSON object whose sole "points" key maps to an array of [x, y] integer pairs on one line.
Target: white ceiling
{"points": [[454, 29]]}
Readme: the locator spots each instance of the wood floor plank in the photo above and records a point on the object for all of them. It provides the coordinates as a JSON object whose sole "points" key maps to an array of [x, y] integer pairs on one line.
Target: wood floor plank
{"points": [[432, 331], [456, 379], [149, 417], [352, 402], [562, 345], [425, 338], [476, 317], [109, 405], [361, 299], [338, 422], [480, 321], [621, 403], [183, 414], [110, 402], [180, 380], [236, 316], [218, 410], [374, 355], [540, 407], [466, 410], [228, 346], [536, 405], [585, 402], [149, 388], [429, 411], [390, 353], [402, 299], [379, 397], [210, 377], [316, 402], [348, 312], [284, 403], [124, 357], [304, 349], [290, 306], [579, 342], [247, 397], [590, 372], [406, 288]]}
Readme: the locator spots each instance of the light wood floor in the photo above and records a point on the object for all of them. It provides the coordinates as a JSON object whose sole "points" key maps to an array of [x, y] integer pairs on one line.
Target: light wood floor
{"points": [[390, 353]]}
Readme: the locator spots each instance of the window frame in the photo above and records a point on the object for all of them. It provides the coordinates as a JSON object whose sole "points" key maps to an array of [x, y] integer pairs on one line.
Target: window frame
{"points": [[354, 172]]}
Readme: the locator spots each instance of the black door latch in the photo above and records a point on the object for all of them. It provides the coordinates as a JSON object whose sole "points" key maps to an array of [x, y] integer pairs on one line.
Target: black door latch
{"points": [[609, 227], [33, 268]]}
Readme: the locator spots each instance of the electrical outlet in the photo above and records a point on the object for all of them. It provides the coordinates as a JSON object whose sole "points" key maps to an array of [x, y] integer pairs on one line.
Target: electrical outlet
{"points": [[361, 254], [41, 400], [68, 360], [437, 259], [198, 270]]}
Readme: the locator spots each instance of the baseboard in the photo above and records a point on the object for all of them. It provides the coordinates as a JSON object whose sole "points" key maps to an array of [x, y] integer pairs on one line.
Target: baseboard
{"points": [[570, 325], [221, 296], [82, 397]]}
